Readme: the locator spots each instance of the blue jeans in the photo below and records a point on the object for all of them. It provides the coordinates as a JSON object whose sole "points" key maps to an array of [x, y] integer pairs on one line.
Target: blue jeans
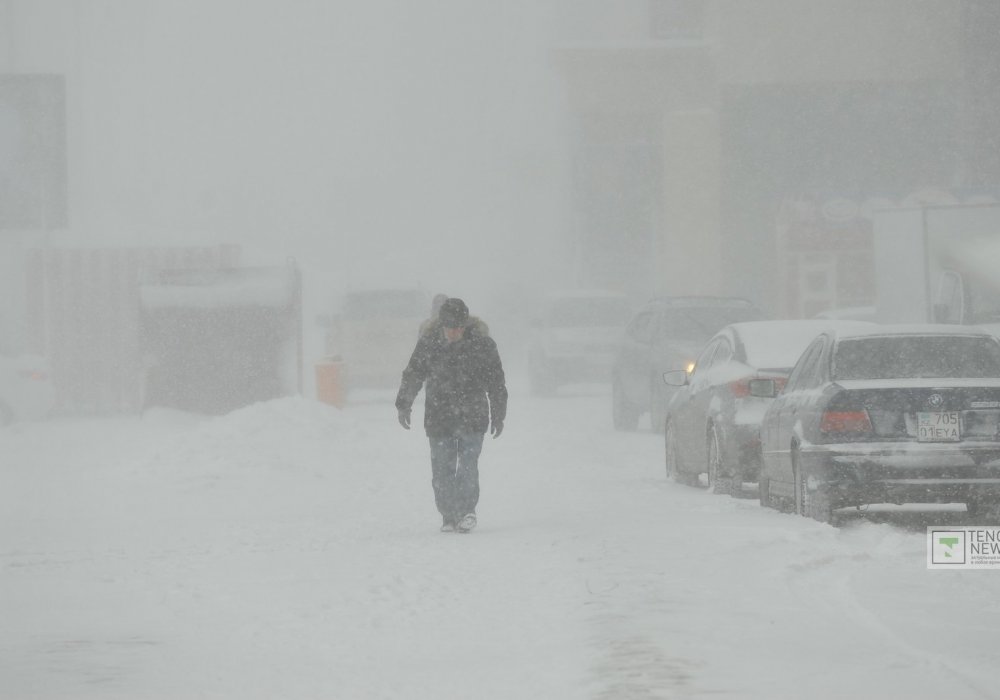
{"points": [[455, 474]]}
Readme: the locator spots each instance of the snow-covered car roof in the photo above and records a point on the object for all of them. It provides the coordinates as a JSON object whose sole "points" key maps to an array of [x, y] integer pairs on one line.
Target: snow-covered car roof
{"points": [[875, 330], [779, 344]]}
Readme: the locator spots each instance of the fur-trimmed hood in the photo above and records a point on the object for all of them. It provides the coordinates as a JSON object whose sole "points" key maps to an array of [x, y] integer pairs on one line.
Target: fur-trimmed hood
{"points": [[475, 324]]}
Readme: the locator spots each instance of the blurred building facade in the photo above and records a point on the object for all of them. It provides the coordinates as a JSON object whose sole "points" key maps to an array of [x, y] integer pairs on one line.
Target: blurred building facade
{"points": [[700, 124], [695, 128]]}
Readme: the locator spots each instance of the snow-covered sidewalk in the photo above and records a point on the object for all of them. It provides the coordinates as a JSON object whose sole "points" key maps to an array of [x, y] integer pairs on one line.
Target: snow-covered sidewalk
{"points": [[290, 550]]}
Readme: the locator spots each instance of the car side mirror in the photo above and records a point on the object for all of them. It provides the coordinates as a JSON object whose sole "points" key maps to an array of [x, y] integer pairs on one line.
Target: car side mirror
{"points": [[763, 388], [677, 377]]}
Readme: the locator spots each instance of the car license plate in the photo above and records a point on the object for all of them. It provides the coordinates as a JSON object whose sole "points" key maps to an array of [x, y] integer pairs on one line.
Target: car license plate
{"points": [[939, 426]]}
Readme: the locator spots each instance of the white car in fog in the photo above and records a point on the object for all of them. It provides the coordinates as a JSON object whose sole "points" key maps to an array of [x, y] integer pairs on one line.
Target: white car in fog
{"points": [[375, 332], [26, 391], [574, 335]]}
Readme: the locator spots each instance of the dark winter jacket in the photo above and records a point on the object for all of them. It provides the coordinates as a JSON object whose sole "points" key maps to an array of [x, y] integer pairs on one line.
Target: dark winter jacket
{"points": [[465, 384]]}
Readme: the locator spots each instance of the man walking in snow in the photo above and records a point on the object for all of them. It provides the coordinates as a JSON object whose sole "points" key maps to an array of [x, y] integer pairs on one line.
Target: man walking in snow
{"points": [[465, 394]]}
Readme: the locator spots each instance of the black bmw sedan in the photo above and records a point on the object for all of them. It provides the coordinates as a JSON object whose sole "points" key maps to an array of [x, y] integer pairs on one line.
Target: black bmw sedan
{"points": [[895, 414]]}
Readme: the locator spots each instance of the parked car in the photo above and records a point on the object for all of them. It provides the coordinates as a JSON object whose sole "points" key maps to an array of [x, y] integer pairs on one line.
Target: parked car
{"points": [[666, 333], [26, 391], [713, 423], [573, 338], [375, 332], [888, 415]]}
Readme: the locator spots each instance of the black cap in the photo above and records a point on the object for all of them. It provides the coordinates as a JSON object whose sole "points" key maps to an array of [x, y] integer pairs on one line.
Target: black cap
{"points": [[454, 313]]}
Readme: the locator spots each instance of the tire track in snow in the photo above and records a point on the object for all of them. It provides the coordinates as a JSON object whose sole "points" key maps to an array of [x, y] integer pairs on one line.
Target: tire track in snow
{"points": [[829, 586]]}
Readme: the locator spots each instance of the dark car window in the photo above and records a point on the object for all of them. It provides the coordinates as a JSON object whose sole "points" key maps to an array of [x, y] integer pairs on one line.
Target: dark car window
{"points": [[901, 357], [805, 367], [705, 359], [641, 329], [813, 374], [699, 323], [724, 354]]}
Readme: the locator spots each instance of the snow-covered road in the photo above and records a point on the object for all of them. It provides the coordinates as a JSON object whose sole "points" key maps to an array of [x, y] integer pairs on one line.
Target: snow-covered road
{"points": [[290, 550]]}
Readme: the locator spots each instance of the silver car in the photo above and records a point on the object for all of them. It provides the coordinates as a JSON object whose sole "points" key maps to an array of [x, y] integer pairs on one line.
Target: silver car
{"points": [[713, 421]]}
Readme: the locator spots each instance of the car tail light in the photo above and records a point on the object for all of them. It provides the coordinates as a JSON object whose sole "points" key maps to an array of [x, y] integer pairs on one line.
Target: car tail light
{"points": [[845, 422], [740, 388], [33, 375]]}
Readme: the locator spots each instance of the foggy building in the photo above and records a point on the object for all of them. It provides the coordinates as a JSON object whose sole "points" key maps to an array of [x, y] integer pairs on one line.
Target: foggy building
{"points": [[652, 146], [695, 121]]}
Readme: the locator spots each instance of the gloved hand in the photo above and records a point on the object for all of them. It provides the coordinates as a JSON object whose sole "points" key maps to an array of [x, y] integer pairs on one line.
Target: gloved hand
{"points": [[404, 417], [496, 427]]}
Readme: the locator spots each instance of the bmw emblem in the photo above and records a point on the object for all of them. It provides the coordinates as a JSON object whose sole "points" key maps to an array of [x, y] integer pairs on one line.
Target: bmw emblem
{"points": [[935, 400]]}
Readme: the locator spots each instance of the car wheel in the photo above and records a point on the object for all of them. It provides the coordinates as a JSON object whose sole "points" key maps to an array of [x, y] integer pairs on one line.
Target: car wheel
{"points": [[657, 405], [736, 486], [623, 415], [814, 504], [820, 507], [736, 480], [674, 468], [817, 505], [718, 480], [712, 468], [798, 484], [670, 452]]}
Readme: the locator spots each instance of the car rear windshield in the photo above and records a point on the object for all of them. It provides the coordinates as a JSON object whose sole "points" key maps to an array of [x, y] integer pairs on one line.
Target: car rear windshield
{"points": [[699, 323], [588, 313], [917, 356]]}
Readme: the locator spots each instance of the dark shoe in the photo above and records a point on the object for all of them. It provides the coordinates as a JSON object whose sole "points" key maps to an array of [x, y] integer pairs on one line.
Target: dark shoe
{"points": [[466, 523]]}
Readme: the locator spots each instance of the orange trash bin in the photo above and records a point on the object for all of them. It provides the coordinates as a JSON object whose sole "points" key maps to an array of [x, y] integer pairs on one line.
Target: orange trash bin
{"points": [[330, 381]]}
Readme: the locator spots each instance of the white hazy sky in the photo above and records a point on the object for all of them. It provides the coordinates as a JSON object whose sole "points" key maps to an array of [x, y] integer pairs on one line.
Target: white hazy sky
{"points": [[384, 142]]}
